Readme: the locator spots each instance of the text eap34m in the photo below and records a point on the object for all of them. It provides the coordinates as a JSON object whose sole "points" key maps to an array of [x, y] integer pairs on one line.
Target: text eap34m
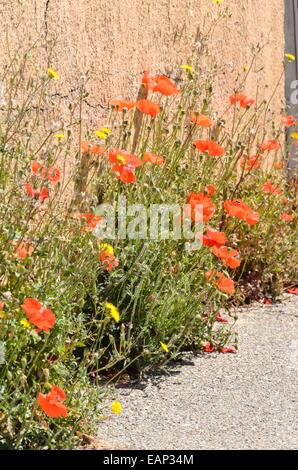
{"points": [[170, 459]]}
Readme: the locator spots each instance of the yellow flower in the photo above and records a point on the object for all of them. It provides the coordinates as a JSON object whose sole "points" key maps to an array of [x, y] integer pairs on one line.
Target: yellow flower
{"points": [[290, 57], [106, 130], [113, 311], [103, 133], [25, 324], [294, 135], [218, 2], [121, 159], [52, 73], [164, 347], [3, 315], [116, 407], [107, 247], [187, 67], [60, 135]]}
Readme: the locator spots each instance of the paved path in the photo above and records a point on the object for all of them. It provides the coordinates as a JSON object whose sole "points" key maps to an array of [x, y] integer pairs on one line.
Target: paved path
{"points": [[247, 400]]}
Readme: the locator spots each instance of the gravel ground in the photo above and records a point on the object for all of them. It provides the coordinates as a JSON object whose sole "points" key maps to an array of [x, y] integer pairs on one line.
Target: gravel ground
{"points": [[247, 400]]}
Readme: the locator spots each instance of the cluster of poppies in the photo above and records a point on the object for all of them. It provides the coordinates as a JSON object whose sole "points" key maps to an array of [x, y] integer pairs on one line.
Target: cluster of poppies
{"points": [[125, 163], [200, 208], [242, 100], [271, 188], [51, 175], [156, 84], [45, 319]]}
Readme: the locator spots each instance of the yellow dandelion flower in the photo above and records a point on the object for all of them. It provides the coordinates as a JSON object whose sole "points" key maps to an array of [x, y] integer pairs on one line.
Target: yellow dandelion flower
{"points": [[294, 135], [112, 311], [103, 133], [116, 407], [25, 324], [218, 2], [106, 130], [107, 247], [52, 73], [290, 57], [164, 347], [187, 67], [60, 135]]}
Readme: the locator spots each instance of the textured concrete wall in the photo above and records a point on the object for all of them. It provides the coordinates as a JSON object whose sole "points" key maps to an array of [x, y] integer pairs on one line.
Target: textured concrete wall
{"points": [[119, 39]]}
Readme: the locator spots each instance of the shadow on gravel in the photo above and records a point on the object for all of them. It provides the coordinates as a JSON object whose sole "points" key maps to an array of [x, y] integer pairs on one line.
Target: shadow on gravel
{"points": [[154, 377]]}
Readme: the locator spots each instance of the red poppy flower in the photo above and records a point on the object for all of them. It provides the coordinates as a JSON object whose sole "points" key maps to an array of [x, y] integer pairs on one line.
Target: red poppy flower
{"points": [[148, 81], [288, 120], [38, 169], [246, 102], [229, 256], [125, 174], [1, 305], [270, 188], [41, 194], [223, 283], [210, 147], [200, 119], [292, 290], [287, 217], [24, 249], [208, 348], [41, 317], [161, 84], [148, 107], [35, 167], [201, 207], [89, 148], [125, 164], [210, 189], [91, 220], [278, 165], [51, 403], [212, 237], [269, 145], [108, 259], [229, 349], [236, 98], [124, 158], [121, 105], [165, 86], [243, 100], [221, 319], [29, 189], [152, 158], [53, 175], [238, 208], [251, 163]]}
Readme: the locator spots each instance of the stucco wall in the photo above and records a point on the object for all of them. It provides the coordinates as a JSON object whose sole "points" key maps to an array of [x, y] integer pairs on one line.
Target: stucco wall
{"points": [[119, 39]]}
